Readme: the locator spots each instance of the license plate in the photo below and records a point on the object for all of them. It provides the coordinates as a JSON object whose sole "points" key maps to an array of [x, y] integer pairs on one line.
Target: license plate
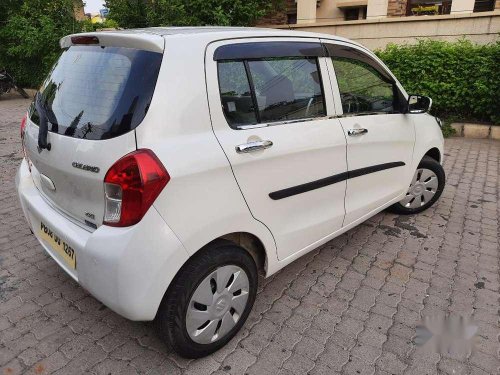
{"points": [[58, 245]]}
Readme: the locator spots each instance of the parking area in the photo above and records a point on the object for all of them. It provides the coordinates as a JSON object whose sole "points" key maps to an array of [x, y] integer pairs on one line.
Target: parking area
{"points": [[350, 307]]}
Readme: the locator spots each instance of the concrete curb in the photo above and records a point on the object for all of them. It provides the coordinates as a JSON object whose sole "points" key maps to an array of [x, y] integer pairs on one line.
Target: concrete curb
{"points": [[31, 92], [479, 131]]}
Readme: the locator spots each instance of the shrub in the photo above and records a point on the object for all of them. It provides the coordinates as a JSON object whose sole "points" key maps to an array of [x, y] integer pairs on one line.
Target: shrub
{"points": [[462, 78], [447, 130], [88, 26]]}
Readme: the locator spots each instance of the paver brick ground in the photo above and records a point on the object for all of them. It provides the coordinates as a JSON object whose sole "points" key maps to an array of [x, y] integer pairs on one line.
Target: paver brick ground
{"points": [[349, 307]]}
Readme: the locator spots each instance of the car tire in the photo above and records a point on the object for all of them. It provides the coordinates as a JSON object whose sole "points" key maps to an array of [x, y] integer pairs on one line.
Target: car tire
{"points": [[225, 300], [425, 189]]}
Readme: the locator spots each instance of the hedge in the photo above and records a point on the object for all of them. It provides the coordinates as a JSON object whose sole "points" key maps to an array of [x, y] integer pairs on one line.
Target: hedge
{"points": [[462, 78]]}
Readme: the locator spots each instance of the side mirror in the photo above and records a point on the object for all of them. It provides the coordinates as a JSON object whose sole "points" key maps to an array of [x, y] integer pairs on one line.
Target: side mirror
{"points": [[419, 104]]}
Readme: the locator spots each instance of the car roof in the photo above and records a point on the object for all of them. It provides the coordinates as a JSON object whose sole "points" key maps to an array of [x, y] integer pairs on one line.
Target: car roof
{"points": [[209, 33], [228, 32]]}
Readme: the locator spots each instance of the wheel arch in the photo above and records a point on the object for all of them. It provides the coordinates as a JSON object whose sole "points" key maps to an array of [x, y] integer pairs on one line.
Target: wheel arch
{"points": [[252, 244], [434, 153], [248, 241]]}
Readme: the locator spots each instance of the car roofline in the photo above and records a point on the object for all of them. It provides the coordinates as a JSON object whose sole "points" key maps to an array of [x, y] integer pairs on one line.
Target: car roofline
{"points": [[149, 38]]}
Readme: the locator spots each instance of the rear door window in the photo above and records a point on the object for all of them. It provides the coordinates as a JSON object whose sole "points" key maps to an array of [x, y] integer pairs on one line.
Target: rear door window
{"points": [[287, 88], [95, 92], [270, 89], [235, 93]]}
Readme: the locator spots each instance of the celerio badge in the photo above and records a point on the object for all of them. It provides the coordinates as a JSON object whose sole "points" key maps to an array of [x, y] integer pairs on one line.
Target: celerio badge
{"points": [[85, 167]]}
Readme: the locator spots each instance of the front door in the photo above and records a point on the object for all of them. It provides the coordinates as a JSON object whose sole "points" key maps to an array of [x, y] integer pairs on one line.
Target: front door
{"points": [[380, 137], [270, 103]]}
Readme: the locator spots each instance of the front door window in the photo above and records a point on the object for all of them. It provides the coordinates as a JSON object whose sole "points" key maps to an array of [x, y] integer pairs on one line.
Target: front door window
{"points": [[365, 88]]}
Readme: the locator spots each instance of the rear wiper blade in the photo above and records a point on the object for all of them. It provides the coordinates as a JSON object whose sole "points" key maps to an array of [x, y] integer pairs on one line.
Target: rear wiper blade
{"points": [[43, 127]]}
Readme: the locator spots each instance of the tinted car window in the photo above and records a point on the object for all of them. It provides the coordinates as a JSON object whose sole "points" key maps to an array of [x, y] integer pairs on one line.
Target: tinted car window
{"points": [[364, 86], [287, 88], [270, 89], [235, 93], [95, 92]]}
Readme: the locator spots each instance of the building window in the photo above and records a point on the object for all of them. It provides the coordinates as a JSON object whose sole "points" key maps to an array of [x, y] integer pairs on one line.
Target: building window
{"points": [[355, 13], [484, 5], [426, 7]]}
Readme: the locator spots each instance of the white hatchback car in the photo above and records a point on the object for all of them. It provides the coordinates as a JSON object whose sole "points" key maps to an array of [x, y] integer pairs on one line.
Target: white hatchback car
{"points": [[165, 167]]}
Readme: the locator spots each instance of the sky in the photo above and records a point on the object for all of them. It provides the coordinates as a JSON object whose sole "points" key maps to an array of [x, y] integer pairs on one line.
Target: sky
{"points": [[93, 6]]}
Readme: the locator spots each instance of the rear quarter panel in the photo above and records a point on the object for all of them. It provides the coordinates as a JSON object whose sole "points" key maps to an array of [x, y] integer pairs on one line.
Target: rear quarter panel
{"points": [[202, 201]]}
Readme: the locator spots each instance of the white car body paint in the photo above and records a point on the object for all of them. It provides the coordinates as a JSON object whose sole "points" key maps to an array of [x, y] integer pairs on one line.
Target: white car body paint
{"points": [[214, 191]]}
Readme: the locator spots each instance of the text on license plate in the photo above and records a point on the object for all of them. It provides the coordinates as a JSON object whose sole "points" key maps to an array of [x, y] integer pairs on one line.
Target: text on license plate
{"points": [[61, 247]]}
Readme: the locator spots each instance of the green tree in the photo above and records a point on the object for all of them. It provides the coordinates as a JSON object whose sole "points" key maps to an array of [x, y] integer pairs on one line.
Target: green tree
{"points": [[143, 13], [30, 29], [7, 8], [128, 14], [29, 36]]}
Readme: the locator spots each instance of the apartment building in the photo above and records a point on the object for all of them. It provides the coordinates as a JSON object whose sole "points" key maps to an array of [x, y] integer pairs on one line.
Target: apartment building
{"points": [[317, 11], [375, 23]]}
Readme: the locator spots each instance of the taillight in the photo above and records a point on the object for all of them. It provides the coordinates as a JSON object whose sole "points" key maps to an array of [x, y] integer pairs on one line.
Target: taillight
{"points": [[84, 39], [23, 126], [131, 186]]}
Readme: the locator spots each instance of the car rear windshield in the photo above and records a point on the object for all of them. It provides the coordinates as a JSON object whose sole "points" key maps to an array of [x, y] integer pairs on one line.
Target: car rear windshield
{"points": [[95, 92]]}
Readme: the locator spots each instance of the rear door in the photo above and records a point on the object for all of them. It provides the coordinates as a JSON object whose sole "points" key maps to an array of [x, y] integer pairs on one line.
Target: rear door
{"points": [[93, 98], [270, 102], [380, 136]]}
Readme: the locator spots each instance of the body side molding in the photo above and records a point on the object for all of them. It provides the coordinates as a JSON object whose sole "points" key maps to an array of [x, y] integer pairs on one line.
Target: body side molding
{"points": [[308, 186]]}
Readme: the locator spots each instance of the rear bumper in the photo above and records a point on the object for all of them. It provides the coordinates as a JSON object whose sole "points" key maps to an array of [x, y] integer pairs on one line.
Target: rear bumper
{"points": [[127, 269]]}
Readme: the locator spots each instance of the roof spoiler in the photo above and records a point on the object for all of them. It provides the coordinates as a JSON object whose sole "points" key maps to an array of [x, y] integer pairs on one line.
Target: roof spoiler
{"points": [[142, 41]]}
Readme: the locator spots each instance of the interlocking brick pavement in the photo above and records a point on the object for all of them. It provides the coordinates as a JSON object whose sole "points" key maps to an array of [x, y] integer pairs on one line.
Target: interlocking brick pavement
{"points": [[349, 307]]}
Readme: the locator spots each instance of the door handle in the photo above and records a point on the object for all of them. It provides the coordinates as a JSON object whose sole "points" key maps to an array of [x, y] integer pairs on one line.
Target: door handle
{"points": [[253, 146], [357, 131]]}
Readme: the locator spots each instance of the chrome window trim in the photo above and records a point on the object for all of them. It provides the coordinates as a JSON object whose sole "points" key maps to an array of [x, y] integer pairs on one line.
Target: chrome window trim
{"points": [[308, 119], [283, 122], [368, 114]]}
